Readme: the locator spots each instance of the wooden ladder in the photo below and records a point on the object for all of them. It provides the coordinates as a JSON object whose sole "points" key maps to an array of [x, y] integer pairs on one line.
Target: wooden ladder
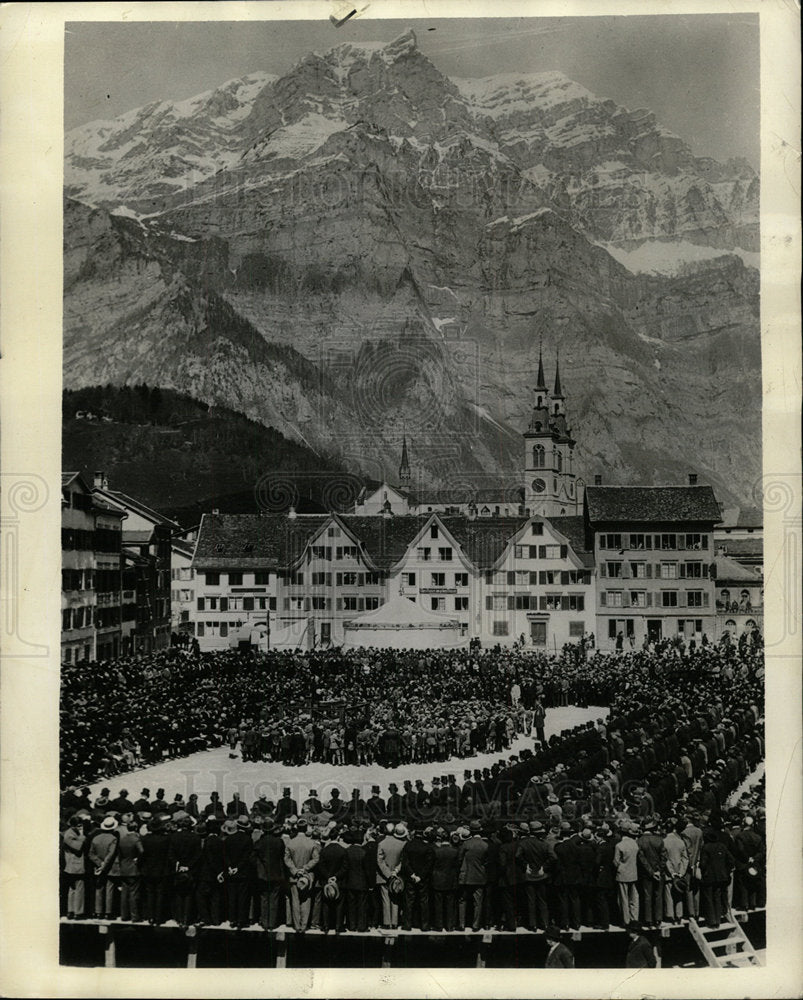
{"points": [[726, 946]]}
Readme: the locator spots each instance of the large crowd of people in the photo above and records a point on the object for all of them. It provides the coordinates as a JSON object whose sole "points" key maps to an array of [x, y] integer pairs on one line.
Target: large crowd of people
{"points": [[614, 822]]}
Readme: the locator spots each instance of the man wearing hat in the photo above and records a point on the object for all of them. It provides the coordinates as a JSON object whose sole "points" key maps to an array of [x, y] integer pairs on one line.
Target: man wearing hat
{"points": [[559, 955], [626, 865], [155, 868], [537, 862], [606, 876], [271, 874], [210, 875], [417, 863], [130, 851], [567, 877], [286, 806], [473, 876], [74, 866], [331, 873], [388, 860], [238, 870], [445, 871], [312, 804], [185, 853], [467, 794], [640, 953], [376, 804], [102, 857], [143, 803], [301, 856], [651, 869], [358, 877], [395, 803]]}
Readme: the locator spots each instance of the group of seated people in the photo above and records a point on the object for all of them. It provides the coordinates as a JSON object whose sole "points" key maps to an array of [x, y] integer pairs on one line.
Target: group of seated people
{"points": [[601, 825]]}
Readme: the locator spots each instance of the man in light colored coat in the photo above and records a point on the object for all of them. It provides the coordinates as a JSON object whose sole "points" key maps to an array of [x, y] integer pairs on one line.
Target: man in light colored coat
{"points": [[103, 859], [388, 861], [73, 848], [677, 868], [301, 856], [625, 861]]}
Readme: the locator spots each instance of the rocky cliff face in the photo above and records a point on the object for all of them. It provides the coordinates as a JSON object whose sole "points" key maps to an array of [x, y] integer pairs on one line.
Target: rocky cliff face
{"points": [[365, 245]]}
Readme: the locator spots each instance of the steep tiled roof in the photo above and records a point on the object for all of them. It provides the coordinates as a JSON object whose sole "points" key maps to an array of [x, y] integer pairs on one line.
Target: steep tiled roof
{"points": [[730, 571], [742, 547], [141, 508], [742, 517], [651, 503], [385, 539], [573, 529], [483, 540], [253, 541]]}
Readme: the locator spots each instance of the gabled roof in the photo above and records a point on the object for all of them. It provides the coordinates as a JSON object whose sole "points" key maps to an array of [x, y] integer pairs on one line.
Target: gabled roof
{"points": [[742, 517], [572, 527], [728, 570], [401, 612], [483, 540], [385, 539], [742, 547], [253, 541], [182, 547], [137, 537], [651, 503], [116, 497]]}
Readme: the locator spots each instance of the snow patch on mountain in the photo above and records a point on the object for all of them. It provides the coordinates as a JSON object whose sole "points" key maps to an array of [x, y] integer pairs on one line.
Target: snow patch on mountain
{"points": [[661, 257]]}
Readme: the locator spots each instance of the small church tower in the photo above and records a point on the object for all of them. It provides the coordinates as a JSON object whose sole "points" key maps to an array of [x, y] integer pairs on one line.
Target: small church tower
{"points": [[549, 479], [404, 467]]}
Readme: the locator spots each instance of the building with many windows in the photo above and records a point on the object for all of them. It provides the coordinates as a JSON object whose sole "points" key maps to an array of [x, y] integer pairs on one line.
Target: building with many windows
{"points": [[499, 578], [91, 582], [654, 553]]}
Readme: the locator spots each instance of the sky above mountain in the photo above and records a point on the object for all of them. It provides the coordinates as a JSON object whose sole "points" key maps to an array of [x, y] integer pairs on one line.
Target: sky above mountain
{"points": [[698, 73]]}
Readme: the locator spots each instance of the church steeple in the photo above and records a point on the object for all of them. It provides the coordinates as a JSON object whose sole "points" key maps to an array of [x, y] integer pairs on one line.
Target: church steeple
{"points": [[404, 466], [549, 478], [541, 383], [557, 394]]}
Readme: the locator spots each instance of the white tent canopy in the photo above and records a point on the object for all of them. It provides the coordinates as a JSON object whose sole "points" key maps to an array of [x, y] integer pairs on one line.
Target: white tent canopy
{"points": [[399, 623], [291, 636]]}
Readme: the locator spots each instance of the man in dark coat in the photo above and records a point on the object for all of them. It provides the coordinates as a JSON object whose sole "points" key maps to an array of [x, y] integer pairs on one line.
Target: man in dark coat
{"points": [[445, 869], [558, 956], [716, 865], [605, 900], [537, 861], [156, 871], [395, 804], [236, 807], [331, 870], [511, 876], [567, 878], [210, 875], [271, 875], [640, 953], [417, 862], [651, 868], [473, 876], [588, 862], [185, 853], [286, 806], [539, 719], [376, 804], [238, 870], [359, 874], [749, 853], [143, 803]]}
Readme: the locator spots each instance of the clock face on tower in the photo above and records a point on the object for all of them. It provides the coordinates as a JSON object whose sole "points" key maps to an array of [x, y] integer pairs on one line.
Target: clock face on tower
{"points": [[539, 485]]}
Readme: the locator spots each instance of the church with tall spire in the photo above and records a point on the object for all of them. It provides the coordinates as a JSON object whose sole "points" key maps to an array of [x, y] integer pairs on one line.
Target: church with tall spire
{"points": [[550, 486]]}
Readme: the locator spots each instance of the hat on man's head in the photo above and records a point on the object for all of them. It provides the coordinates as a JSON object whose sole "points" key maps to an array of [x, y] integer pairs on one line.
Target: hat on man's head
{"points": [[536, 826], [400, 830], [634, 927], [145, 791], [392, 787], [110, 823], [286, 792], [475, 826], [230, 826], [243, 822], [552, 933]]}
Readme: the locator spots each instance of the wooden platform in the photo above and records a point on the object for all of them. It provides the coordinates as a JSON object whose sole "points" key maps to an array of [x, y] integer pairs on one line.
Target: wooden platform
{"points": [[385, 939]]}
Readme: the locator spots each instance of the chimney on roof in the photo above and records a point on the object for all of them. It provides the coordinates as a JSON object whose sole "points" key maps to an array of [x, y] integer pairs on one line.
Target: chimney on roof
{"points": [[386, 508], [598, 480], [291, 514], [692, 479], [101, 482]]}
